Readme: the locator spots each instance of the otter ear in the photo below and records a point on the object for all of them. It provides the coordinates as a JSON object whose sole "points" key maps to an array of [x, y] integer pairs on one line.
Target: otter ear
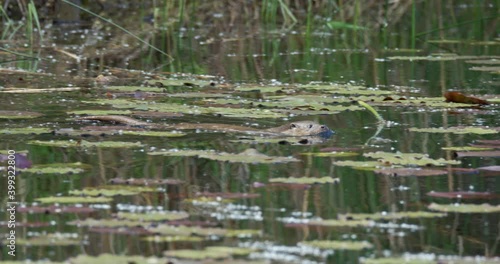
{"points": [[293, 125]]}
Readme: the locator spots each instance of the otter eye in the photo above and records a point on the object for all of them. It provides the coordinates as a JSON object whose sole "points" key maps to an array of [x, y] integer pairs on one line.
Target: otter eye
{"points": [[293, 125], [310, 126], [323, 127]]}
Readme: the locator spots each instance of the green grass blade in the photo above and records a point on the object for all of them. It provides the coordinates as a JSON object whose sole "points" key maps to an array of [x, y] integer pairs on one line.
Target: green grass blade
{"points": [[372, 110], [119, 27]]}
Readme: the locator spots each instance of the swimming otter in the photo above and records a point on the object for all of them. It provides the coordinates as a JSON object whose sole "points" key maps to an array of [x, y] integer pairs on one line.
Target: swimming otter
{"points": [[294, 129]]}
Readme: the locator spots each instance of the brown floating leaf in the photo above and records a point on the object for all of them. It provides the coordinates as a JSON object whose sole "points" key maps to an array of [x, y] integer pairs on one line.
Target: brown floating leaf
{"points": [[490, 168], [489, 141], [145, 182], [461, 154], [228, 195], [457, 97], [55, 209], [410, 172], [464, 195]]}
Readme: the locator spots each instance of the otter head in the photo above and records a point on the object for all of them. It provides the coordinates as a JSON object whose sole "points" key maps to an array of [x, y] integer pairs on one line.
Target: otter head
{"points": [[307, 128]]}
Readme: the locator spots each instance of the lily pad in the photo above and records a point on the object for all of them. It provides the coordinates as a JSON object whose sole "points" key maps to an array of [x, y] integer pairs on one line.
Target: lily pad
{"points": [[57, 168], [163, 239], [441, 57], [115, 259], [114, 223], [54, 239], [55, 209], [25, 130], [359, 165], [465, 208], [417, 159], [306, 180], [457, 130], [197, 254], [338, 244], [86, 144], [467, 148], [153, 216], [100, 112], [340, 223], [177, 82], [232, 250], [333, 154], [74, 199], [492, 153], [391, 215], [145, 182], [181, 153], [397, 172]]}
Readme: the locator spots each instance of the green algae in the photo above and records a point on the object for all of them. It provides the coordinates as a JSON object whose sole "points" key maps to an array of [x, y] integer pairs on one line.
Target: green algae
{"points": [[456, 130], [408, 159], [73, 199], [99, 112], [115, 259], [338, 244], [26, 130], [86, 144], [392, 215], [465, 208], [305, 180], [153, 216]]}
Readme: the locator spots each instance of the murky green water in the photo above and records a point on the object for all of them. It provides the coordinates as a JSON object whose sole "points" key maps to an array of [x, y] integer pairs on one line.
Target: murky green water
{"points": [[245, 204]]}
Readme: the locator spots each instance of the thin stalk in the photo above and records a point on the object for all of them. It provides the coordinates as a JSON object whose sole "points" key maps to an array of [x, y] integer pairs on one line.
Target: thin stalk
{"points": [[372, 110], [33, 13], [413, 23], [119, 27], [20, 54]]}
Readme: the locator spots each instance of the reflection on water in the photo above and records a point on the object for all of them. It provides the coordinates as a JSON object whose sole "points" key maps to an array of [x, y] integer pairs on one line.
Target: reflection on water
{"points": [[239, 204]]}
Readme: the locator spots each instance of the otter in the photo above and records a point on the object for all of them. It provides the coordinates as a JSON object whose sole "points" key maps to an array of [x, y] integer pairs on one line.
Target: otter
{"points": [[294, 129]]}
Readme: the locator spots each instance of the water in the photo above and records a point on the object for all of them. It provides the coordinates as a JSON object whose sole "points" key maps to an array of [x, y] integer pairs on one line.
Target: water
{"points": [[278, 214]]}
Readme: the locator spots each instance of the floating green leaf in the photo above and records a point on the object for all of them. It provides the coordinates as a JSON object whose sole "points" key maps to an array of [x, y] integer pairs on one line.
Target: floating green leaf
{"points": [[153, 216], [232, 250], [392, 215], [340, 222], [74, 199], [86, 144], [197, 254], [177, 82], [25, 130], [181, 153], [58, 168], [338, 244], [408, 159], [115, 259], [465, 208], [333, 154], [100, 112], [53, 239], [305, 180], [466, 148], [90, 222], [162, 239], [359, 165], [456, 130]]}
